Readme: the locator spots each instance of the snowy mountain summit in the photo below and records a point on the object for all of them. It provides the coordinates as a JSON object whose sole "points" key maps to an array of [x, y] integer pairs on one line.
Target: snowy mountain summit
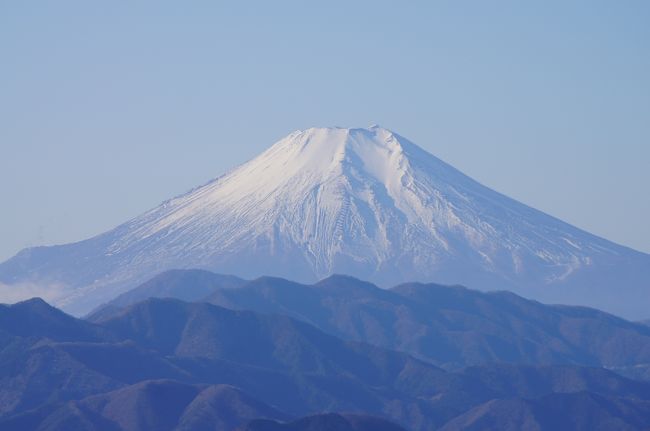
{"points": [[364, 202]]}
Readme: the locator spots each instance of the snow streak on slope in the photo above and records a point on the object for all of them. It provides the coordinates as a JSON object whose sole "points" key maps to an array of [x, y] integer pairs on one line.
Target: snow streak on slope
{"points": [[364, 195], [366, 202]]}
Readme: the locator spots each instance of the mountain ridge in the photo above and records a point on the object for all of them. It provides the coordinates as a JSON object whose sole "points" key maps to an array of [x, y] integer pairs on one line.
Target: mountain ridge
{"points": [[162, 352], [449, 326]]}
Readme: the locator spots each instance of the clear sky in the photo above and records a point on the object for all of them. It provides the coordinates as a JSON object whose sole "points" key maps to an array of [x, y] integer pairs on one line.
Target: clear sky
{"points": [[108, 108]]}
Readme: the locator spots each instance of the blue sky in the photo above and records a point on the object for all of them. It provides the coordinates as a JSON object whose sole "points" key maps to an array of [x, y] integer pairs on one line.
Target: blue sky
{"points": [[108, 108]]}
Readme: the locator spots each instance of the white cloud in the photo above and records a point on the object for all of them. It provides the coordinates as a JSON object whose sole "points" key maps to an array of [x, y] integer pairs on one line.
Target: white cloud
{"points": [[12, 293]]}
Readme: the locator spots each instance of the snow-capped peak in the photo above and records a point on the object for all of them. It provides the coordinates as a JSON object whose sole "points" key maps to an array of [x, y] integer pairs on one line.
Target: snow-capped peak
{"points": [[330, 151], [361, 196]]}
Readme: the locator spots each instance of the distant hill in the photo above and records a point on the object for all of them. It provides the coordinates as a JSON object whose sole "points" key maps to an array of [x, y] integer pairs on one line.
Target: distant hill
{"points": [[452, 326], [325, 422], [572, 411], [159, 364], [276, 359], [36, 318], [185, 284], [149, 405]]}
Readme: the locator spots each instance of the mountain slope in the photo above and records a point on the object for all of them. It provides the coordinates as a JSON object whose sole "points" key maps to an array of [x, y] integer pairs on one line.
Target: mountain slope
{"points": [[364, 202], [116, 385], [279, 343], [452, 326], [275, 359], [575, 411], [186, 285], [149, 405], [325, 422], [36, 318]]}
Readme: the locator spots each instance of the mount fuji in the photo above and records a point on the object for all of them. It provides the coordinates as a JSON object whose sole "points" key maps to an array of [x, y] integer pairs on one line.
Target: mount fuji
{"points": [[363, 202]]}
